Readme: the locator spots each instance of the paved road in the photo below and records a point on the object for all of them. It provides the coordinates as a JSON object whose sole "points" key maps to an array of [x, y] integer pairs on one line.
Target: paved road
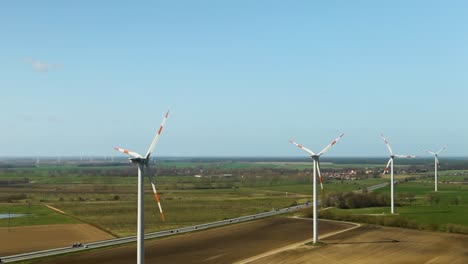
{"points": [[378, 186]]}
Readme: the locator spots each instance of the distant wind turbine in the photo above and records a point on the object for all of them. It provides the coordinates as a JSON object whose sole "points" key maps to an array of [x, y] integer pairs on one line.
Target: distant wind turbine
{"points": [[144, 161], [315, 158], [436, 163], [390, 162]]}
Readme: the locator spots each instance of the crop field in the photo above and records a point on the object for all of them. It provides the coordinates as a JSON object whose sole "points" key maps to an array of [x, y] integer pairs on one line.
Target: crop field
{"points": [[443, 211], [98, 197], [329, 186], [118, 215], [371, 244], [220, 245], [105, 195], [182, 208], [15, 240], [33, 215]]}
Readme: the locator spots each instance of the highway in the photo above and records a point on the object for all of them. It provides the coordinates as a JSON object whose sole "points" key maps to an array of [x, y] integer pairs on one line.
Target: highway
{"points": [[124, 240], [378, 186]]}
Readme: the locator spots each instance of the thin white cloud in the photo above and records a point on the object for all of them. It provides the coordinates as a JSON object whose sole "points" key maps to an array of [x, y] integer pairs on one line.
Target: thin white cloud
{"points": [[32, 118], [41, 66]]}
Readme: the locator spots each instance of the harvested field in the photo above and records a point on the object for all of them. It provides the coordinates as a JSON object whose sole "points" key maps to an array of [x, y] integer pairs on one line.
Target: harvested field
{"points": [[379, 245], [15, 240], [219, 245]]}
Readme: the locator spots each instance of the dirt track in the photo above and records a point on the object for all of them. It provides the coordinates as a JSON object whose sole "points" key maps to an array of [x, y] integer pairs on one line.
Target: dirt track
{"points": [[15, 240], [379, 245], [220, 245]]}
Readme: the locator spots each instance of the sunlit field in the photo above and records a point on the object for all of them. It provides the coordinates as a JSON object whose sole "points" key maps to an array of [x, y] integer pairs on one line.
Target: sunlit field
{"points": [[104, 195]]}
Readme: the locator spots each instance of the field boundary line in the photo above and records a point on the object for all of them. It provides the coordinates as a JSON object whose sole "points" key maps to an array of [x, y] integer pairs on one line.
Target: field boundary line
{"points": [[303, 195], [83, 221], [55, 209], [297, 244]]}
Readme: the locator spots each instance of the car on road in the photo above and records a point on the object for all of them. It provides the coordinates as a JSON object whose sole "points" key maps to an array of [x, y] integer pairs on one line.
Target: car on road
{"points": [[77, 245]]}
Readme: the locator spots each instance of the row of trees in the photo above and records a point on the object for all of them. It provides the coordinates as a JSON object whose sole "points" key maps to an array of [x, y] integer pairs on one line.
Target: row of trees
{"points": [[350, 200], [6, 182]]}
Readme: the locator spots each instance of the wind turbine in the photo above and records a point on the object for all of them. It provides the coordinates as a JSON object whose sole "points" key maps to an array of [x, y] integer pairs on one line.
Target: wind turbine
{"points": [[390, 162], [144, 161], [436, 163], [315, 158]]}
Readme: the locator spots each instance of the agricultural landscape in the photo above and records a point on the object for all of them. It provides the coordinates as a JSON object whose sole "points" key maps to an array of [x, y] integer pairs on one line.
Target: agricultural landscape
{"points": [[198, 132], [98, 197]]}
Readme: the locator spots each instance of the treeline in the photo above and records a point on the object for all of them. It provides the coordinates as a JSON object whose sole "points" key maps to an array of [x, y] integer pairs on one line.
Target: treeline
{"points": [[13, 166], [6, 182], [11, 198], [102, 164], [351, 200]]}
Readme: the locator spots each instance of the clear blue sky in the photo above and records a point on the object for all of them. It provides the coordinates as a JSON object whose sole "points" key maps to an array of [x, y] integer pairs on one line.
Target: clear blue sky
{"points": [[240, 77]]}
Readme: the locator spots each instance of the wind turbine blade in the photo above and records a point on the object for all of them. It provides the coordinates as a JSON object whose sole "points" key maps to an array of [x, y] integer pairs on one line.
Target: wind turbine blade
{"points": [[302, 147], [156, 196], [331, 144], [320, 175], [430, 152], [386, 167], [405, 156], [155, 140], [128, 152], [437, 160], [442, 149], [387, 143]]}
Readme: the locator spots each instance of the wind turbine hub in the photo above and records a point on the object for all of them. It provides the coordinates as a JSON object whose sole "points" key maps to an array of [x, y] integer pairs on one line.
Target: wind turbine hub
{"points": [[138, 160]]}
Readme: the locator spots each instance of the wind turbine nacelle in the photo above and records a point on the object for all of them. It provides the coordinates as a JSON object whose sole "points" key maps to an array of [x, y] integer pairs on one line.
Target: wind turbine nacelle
{"points": [[138, 160]]}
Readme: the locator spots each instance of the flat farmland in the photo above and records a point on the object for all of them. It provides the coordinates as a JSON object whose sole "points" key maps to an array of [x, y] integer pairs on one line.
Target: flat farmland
{"points": [[15, 240], [369, 244], [181, 207], [220, 245], [329, 186]]}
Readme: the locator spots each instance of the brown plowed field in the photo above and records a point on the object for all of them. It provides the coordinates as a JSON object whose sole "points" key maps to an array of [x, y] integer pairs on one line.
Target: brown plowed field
{"points": [[220, 245], [15, 240], [379, 245]]}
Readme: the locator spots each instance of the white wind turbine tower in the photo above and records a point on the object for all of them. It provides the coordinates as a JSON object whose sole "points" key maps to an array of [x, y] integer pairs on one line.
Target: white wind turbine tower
{"points": [[436, 163], [315, 158], [390, 162], [144, 161]]}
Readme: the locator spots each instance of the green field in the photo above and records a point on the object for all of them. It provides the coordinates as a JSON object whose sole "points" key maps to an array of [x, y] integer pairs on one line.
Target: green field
{"points": [[329, 186], [105, 196], [182, 208], [109, 201], [33, 215], [450, 208]]}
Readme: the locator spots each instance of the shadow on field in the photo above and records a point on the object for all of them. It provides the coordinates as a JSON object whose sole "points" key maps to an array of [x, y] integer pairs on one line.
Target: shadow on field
{"points": [[385, 240], [428, 212]]}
